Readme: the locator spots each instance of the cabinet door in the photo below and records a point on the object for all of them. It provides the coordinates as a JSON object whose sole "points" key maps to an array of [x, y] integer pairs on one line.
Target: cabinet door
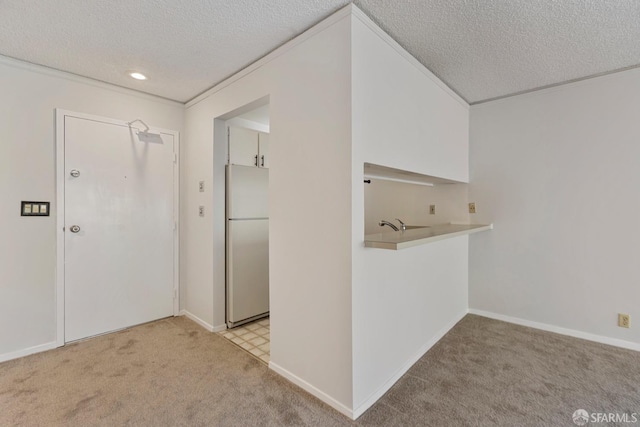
{"points": [[243, 147], [263, 150]]}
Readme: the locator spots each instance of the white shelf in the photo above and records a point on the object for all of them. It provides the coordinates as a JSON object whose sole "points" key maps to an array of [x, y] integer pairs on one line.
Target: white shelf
{"points": [[391, 174], [419, 236]]}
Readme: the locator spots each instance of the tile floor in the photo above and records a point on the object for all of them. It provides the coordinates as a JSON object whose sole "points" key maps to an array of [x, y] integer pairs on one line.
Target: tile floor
{"points": [[253, 337]]}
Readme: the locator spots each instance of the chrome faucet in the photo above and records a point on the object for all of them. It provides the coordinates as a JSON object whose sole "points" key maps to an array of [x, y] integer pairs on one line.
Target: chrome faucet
{"points": [[383, 223], [402, 225]]}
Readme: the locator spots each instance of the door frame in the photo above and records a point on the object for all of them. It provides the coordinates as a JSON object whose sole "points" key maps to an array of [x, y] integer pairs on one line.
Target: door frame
{"points": [[60, 115]]}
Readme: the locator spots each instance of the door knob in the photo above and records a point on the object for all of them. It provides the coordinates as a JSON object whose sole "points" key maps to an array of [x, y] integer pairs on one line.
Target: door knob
{"points": [[74, 173], [74, 228]]}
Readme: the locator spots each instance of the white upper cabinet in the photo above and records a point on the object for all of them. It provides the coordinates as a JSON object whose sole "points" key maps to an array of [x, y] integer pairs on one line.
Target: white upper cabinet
{"points": [[263, 149], [248, 147], [243, 146]]}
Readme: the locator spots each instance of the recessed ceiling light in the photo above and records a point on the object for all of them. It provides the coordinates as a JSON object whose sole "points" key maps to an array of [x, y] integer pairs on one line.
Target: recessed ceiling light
{"points": [[138, 76]]}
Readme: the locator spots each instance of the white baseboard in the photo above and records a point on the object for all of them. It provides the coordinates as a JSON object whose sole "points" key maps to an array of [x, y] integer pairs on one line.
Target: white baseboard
{"points": [[220, 328], [27, 351], [558, 330], [373, 398], [198, 320], [313, 390]]}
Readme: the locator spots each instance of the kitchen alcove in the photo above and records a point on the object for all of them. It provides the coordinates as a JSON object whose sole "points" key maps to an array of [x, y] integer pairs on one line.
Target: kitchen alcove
{"points": [[247, 287], [432, 208]]}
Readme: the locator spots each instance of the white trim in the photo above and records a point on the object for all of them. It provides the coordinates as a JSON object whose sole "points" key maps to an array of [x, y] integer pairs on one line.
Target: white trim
{"points": [[301, 38], [558, 330], [28, 351], [59, 297], [52, 72], [60, 210], [358, 13], [348, 10], [220, 328], [373, 398], [312, 390], [555, 87], [201, 322], [176, 222]]}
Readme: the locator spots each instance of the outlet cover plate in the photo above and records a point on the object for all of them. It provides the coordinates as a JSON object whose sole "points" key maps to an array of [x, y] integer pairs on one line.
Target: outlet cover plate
{"points": [[624, 320]]}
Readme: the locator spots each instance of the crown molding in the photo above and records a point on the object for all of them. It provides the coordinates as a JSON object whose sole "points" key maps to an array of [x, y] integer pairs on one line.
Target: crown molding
{"points": [[52, 72], [317, 28]]}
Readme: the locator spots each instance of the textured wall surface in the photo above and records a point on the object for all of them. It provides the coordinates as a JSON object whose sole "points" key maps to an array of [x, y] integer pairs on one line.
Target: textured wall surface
{"points": [[29, 97], [557, 173], [309, 209]]}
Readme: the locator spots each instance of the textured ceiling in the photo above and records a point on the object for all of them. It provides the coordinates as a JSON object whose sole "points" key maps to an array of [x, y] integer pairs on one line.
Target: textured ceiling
{"points": [[482, 49]]}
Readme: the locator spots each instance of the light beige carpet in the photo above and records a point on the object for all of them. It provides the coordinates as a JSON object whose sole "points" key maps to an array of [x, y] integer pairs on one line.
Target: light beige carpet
{"points": [[174, 373]]}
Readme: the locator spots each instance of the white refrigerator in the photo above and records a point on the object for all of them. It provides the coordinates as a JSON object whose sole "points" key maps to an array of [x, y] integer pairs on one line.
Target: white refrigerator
{"points": [[247, 243]]}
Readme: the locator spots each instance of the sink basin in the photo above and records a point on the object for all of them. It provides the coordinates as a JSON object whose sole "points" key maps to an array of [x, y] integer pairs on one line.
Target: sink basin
{"points": [[413, 227]]}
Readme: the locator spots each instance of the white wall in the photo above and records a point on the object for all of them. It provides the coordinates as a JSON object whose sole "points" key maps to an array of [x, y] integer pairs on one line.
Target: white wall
{"points": [[410, 202], [408, 118], [308, 85], [557, 172], [403, 301], [404, 118], [28, 98]]}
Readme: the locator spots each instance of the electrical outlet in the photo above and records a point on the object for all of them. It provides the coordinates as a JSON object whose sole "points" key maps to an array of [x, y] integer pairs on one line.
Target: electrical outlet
{"points": [[624, 320], [472, 207], [201, 210], [432, 209], [201, 186]]}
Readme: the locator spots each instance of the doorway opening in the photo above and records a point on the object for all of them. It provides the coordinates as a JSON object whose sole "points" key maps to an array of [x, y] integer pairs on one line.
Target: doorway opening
{"points": [[254, 337], [247, 229]]}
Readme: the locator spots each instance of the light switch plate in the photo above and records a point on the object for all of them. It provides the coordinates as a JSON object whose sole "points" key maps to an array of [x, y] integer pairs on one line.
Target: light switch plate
{"points": [[34, 208], [432, 209]]}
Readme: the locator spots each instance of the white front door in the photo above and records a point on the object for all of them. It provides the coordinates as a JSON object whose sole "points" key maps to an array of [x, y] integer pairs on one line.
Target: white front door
{"points": [[119, 227]]}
